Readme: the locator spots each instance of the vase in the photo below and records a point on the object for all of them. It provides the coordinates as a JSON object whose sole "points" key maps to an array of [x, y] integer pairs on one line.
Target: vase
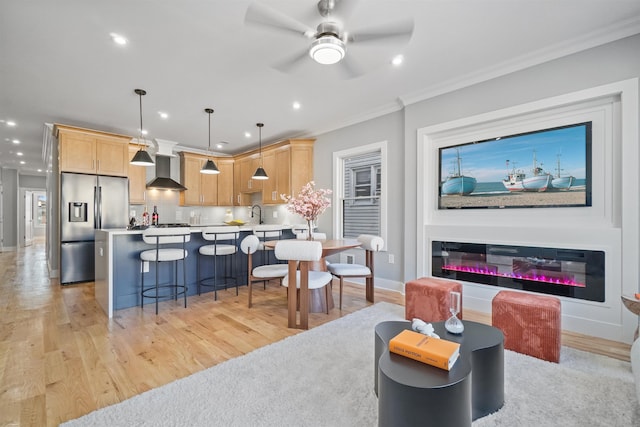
{"points": [[310, 229]]}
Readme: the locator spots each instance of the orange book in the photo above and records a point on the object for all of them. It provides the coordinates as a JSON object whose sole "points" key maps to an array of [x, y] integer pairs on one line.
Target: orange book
{"points": [[432, 351]]}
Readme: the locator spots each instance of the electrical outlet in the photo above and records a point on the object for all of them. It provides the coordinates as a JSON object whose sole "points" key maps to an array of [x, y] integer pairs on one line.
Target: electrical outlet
{"points": [[350, 259], [275, 214], [391, 259]]}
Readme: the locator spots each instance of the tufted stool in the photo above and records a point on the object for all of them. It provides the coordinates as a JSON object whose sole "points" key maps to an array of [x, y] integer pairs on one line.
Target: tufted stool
{"points": [[427, 298], [530, 323]]}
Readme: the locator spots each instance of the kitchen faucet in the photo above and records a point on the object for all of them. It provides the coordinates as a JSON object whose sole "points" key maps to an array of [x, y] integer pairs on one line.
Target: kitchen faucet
{"points": [[259, 213]]}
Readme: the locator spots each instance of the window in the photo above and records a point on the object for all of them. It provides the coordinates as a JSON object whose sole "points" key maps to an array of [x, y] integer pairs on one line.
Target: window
{"points": [[359, 185]]}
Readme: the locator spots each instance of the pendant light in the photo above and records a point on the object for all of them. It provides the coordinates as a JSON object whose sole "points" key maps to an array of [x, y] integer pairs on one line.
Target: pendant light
{"points": [[141, 158], [260, 173], [209, 167]]}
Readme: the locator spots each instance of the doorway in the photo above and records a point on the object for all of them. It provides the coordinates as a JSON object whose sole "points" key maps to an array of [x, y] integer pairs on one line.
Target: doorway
{"points": [[28, 218]]}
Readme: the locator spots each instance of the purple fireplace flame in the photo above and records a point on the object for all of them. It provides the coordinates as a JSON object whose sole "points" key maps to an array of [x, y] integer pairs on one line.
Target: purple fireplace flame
{"points": [[573, 273], [566, 280]]}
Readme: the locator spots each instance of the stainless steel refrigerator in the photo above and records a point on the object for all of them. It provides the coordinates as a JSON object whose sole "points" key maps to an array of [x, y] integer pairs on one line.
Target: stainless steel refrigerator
{"points": [[87, 203]]}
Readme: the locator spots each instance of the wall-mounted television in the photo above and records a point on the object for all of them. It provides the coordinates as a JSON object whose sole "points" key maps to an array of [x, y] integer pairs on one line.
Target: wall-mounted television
{"points": [[540, 169]]}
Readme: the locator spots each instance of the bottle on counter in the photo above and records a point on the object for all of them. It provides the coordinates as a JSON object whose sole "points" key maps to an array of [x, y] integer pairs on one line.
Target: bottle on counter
{"points": [[145, 217], [228, 217], [154, 216]]}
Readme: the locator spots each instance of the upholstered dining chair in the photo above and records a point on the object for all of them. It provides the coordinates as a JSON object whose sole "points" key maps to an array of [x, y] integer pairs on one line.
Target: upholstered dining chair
{"points": [[263, 273], [370, 244], [302, 280]]}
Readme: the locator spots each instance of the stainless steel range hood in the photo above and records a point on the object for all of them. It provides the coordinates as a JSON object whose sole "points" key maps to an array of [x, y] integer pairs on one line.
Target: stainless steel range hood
{"points": [[163, 180], [164, 153]]}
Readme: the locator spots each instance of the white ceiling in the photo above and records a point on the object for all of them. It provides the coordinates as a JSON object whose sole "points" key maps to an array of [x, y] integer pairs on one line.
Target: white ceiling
{"points": [[59, 65]]}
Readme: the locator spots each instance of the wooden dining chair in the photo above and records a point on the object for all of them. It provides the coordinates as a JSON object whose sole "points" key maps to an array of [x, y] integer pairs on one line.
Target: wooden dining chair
{"points": [[263, 273], [301, 252], [370, 244]]}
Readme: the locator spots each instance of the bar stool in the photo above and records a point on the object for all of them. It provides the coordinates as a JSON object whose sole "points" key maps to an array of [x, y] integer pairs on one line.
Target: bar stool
{"points": [[263, 273], [161, 237], [225, 245]]}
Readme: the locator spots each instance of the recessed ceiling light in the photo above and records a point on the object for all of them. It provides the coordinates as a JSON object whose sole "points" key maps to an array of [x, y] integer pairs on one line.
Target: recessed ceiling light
{"points": [[397, 60], [11, 123], [16, 141], [19, 153], [296, 105], [163, 115], [144, 132], [39, 170], [221, 144], [118, 39], [22, 162], [247, 134]]}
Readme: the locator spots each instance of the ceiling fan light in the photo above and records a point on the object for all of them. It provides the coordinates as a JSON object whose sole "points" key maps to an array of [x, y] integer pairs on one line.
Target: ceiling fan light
{"points": [[327, 50], [142, 158], [210, 168]]}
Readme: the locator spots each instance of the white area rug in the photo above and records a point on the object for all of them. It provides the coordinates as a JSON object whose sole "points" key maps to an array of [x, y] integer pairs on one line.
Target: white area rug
{"points": [[324, 377]]}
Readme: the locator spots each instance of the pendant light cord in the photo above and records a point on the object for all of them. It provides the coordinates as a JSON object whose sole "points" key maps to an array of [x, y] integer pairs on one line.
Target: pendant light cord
{"points": [[141, 142], [209, 111], [260, 139]]}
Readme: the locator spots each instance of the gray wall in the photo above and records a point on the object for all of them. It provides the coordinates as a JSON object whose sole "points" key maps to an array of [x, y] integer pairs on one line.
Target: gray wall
{"points": [[9, 208], [386, 128], [33, 182], [601, 65]]}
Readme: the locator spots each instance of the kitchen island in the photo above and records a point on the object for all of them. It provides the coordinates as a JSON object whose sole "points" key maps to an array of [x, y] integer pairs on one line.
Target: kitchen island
{"points": [[117, 261]]}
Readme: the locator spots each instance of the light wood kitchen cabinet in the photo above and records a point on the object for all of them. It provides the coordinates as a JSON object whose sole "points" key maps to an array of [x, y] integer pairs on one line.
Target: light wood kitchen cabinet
{"points": [[225, 182], [240, 198], [206, 189], [247, 167], [289, 166], [137, 179], [92, 152], [277, 164], [202, 189]]}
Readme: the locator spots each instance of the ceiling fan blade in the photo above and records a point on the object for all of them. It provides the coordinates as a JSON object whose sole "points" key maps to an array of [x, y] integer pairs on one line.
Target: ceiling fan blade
{"points": [[399, 30], [344, 8], [290, 63], [261, 15], [349, 68]]}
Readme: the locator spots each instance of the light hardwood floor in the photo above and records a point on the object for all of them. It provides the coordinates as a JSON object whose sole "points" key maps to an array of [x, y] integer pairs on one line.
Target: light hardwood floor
{"points": [[60, 357]]}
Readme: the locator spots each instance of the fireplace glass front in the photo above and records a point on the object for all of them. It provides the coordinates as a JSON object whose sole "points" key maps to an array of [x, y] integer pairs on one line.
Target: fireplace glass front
{"points": [[574, 273]]}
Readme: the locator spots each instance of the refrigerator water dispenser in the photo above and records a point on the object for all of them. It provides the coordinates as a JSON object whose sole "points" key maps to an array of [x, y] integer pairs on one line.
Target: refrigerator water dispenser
{"points": [[77, 212]]}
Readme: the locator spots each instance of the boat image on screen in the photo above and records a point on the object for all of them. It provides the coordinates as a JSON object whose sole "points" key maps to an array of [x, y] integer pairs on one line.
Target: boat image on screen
{"points": [[517, 180], [456, 182]]}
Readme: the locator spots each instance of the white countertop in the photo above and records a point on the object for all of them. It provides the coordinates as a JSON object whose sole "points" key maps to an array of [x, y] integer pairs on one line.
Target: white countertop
{"points": [[193, 228]]}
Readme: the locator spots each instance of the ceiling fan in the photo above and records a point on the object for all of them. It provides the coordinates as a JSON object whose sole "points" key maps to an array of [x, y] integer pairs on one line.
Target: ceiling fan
{"points": [[329, 41]]}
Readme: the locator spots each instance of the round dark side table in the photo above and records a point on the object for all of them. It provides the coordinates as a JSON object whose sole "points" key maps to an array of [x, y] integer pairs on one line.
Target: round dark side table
{"points": [[413, 393]]}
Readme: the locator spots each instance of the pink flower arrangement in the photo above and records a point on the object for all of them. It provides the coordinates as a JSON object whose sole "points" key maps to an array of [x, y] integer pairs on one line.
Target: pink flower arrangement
{"points": [[309, 203]]}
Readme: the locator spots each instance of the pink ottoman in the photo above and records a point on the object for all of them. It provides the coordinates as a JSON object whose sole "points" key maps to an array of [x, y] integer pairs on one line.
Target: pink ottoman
{"points": [[427, 298], [530, 323]]}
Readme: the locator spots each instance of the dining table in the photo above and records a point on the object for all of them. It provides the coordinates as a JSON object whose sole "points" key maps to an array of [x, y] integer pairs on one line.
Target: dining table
{"points": [[317, 303]]}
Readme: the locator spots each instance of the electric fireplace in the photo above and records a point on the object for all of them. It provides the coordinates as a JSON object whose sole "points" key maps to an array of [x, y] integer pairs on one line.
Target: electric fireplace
{"points": [[574, 273]]}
